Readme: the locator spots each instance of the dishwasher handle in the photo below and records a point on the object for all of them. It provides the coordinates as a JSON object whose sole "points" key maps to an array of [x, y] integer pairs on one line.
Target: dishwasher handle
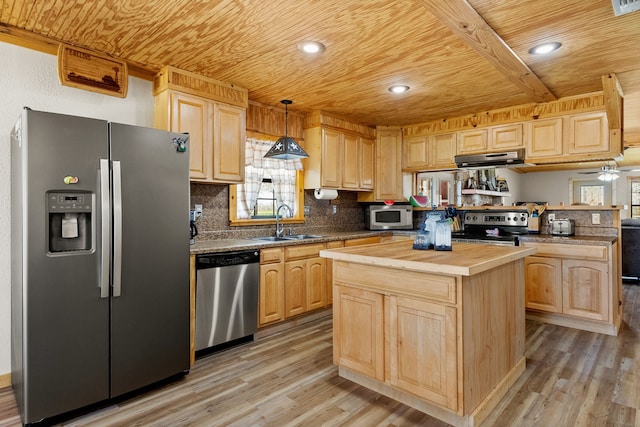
{"points": [[225, 259]]}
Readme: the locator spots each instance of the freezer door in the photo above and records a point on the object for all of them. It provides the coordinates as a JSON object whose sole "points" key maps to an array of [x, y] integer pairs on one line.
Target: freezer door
{"points": [[61, 338], [150, 303]]}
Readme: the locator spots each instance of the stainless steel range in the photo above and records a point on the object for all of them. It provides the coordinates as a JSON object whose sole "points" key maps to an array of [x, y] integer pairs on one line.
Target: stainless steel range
{"points": [[495, 227]]}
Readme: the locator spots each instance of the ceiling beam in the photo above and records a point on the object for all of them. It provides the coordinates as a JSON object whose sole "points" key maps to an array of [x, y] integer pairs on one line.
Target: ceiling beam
{"points": [[463, 20]]}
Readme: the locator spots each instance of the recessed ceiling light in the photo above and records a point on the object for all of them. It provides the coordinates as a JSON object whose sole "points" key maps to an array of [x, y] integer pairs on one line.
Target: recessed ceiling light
{"points": [[541, 49], [311, 47], [399, 88]]}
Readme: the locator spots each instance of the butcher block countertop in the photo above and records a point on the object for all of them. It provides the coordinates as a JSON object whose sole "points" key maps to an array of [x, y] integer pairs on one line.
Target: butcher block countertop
{"points": [[465, 259]]}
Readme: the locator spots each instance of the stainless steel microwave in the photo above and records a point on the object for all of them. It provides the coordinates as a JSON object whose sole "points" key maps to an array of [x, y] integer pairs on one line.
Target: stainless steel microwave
{"points": [[392, 217]]}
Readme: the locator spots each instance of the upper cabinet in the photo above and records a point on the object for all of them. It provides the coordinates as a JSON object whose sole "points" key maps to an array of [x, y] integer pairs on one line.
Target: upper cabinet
{"points": [[214, 115], [493, 138], [429, 152], [568, 130], [575, 137], [339, 158], [544, 139], [388, 165]]}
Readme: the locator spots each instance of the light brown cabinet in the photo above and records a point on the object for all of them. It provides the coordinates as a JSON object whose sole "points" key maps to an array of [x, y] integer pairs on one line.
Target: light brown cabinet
{"points": [[493, 138], [305, 279], [271, 289], [216, 134], [338, 159], [544, 139], [359, 316], [576, 137], [429, 152], [573, 285], [419, 337], [388, 165], [423, 334], [585, 289], [544, 284], [588, 134], [473, 141]]}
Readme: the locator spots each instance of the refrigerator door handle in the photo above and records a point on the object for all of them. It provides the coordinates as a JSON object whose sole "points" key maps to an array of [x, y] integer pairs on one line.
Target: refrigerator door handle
{"points": [[117, 229], [105, 239]]}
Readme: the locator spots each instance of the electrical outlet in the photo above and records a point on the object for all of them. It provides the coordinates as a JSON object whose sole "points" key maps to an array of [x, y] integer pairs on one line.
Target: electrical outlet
{"points": [[551, 217], [595, 218], [307, 210], [198, 209], [334, 209]]}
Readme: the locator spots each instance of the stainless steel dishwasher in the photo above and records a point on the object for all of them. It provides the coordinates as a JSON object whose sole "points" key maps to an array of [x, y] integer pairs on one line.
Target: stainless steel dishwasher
{"points": [[226, 297]]}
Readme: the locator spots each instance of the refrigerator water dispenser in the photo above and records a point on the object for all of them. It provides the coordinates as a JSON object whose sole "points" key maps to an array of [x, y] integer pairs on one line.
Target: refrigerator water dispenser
{"points": [[69, 221]]}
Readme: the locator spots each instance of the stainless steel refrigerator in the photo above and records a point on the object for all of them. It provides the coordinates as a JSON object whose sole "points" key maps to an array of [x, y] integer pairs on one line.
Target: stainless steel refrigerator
{"points": [[100, 260]]}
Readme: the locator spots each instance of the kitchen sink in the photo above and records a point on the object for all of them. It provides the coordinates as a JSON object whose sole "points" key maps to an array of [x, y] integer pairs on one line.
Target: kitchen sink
{"points": [[272, 239], [302, 236], [288, 237]]}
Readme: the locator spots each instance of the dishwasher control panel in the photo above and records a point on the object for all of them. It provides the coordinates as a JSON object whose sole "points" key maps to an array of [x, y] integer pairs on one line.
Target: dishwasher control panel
{"points": [[225, 259]]}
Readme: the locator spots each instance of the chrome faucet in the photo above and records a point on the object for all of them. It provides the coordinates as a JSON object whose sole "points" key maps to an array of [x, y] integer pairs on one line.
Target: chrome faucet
{"points": [[279, 227]]}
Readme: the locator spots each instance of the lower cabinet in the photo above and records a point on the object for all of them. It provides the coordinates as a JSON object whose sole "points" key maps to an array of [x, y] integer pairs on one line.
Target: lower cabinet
{"points": [[574, 283], [271, 290], [305, 279], [295, 279], [544, 284], [418, 337], [359, 340], [422, 349], [585, 289]]}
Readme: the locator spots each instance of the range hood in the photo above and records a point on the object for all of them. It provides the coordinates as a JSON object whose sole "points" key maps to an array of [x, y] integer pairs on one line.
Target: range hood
{"points": [[505, 158]]}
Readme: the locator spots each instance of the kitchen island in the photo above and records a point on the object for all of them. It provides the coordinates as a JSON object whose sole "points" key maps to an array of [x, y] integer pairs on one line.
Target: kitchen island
{"points": [[442, 332]]}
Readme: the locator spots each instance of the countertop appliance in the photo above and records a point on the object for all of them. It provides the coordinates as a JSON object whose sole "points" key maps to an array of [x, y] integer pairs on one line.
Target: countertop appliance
{"points": [[388, 217], [100, 261], [226, 297], [563, 227], [495, 227]]}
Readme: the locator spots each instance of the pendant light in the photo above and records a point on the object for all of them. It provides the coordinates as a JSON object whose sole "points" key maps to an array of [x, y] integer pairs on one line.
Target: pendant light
{"points": [[286, 148]]}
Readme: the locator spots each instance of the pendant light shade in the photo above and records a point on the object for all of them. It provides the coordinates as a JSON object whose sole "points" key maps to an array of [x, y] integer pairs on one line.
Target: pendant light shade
{"points": [[286, 148]]}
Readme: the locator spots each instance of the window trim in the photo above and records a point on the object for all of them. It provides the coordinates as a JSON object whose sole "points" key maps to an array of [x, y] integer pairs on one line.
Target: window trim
{"points": [[299, 208], [630, 181]]}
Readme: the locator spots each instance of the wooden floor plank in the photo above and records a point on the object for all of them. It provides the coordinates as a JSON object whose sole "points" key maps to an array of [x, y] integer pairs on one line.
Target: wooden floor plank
{"points": [[572, 378]]}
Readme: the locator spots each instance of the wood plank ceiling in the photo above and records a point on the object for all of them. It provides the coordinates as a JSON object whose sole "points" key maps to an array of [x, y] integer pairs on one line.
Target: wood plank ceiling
{"points": [[370, 45]]}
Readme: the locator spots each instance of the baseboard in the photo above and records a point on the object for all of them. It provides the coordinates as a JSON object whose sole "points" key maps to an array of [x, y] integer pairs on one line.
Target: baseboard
{"points": [[5, 380]]}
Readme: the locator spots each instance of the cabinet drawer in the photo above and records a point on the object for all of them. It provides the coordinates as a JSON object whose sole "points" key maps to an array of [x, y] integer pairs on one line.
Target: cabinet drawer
{"points": [[304, 251], [269, 256], [397, 282], [562, 250]]}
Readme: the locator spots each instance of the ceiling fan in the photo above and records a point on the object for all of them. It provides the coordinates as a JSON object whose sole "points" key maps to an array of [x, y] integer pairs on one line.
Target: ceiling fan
{"points": [[606, 173]]}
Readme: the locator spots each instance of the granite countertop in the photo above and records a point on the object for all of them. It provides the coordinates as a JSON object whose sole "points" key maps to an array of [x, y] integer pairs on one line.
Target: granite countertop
{"points": [[226, 245], [572, 240]]}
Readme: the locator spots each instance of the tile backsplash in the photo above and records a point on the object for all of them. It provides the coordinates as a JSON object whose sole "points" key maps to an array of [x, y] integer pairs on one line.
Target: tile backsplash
{"points": [[214, 223]]}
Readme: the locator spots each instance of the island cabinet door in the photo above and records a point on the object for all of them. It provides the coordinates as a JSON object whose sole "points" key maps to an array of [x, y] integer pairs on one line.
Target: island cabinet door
{"points": [[422, 349], [585, 289], [358, 331]]}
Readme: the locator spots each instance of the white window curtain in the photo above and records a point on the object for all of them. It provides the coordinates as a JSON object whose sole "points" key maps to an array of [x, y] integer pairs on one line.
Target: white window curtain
{"points": [[283, 176]]}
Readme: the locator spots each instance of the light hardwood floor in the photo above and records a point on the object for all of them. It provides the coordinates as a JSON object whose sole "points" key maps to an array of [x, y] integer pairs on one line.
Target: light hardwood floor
{"points": [[572, 378]]}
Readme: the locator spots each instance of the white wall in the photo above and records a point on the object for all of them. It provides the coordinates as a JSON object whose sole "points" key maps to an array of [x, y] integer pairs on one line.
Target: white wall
{"points": [[30, 78], [553, 187]]}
